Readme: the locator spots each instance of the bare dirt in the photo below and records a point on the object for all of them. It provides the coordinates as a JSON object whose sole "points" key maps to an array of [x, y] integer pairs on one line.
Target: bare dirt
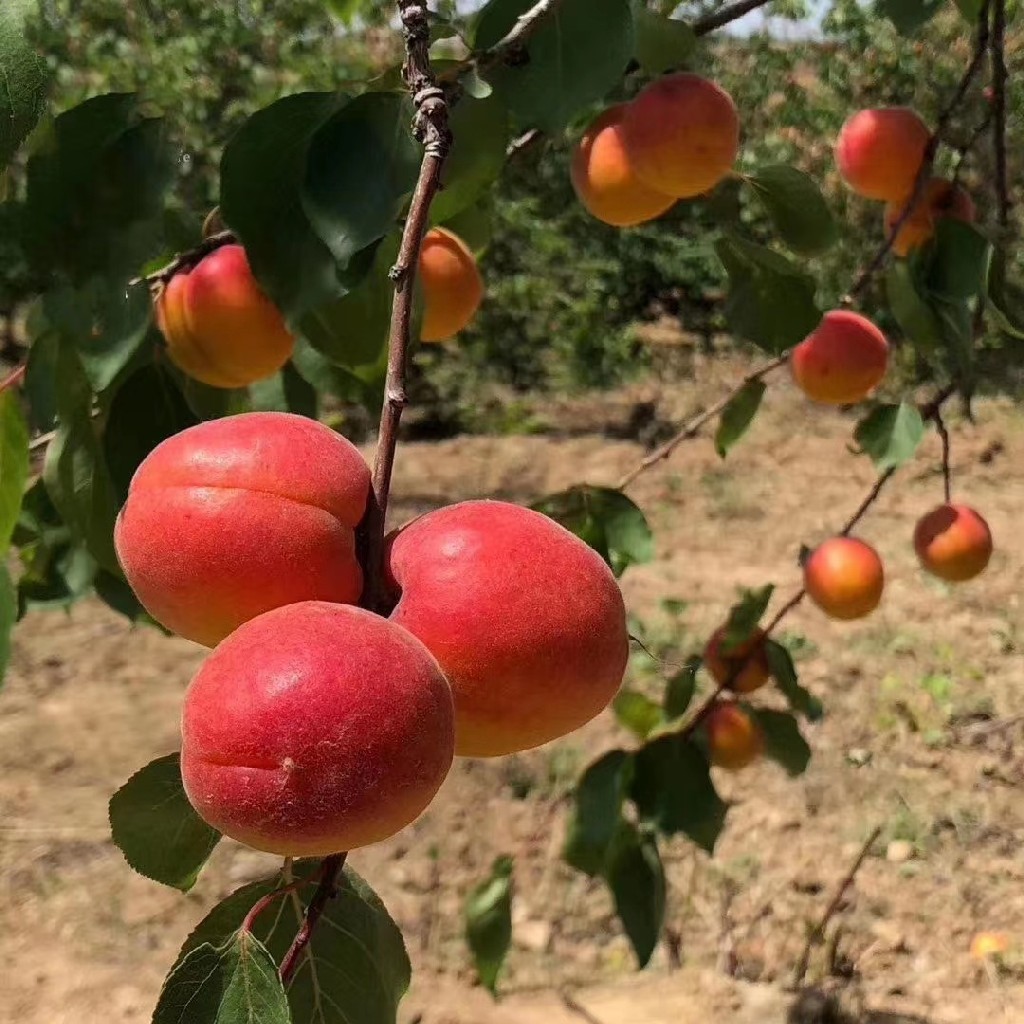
{"points": [[924, 737]]}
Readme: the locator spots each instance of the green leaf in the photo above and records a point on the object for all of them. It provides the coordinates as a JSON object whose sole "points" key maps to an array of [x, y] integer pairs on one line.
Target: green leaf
{"points": [[796, 206], [475, 225], [606, 520], [8, 617], [95, 188], [480, 132], [345, 10], [598, 810], [357, 970], [958, 260], [744, 617], [783, 671], [14, 465], [680, 690], [638, 713], [115, 593], [577, 53], [908, 15], [262, 173], [636, 879], [24, 77], [660, 44], [236, 983], [672, 789], [156, 828], [488, 915], [783, 741], [770, 300], [916, 318], [362, 165], [738, 415], [970, 9], [1005, 298], [286, 391], [360, 385], [890, 434]]}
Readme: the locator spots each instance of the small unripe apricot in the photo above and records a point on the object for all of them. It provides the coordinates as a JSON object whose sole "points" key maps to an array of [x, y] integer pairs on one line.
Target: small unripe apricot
{"points": [[940, 198], [953, 542], [879, 152], [844, 578], [842, 360], [236, 516], [734, 739], [315, 728], [220, 327], [452, 286], [604, 180], [985, 945], [744, 669], [682, 134], [526, 621]]}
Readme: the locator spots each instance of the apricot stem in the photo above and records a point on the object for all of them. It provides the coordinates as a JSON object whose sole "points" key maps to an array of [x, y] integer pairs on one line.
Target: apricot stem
{"points": [[330, 869], [249, 920], [13, 379], [940, 427]]}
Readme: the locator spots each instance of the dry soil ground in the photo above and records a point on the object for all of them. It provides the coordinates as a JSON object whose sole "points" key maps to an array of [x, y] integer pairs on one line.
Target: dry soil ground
{"points": [[923, 737]]}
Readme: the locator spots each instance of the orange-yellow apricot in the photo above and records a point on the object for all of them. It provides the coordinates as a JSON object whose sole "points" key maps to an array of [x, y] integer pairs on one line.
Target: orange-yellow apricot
{"points": [[940, 198], [452, 286], [220, 327], [604, 180], [526, 621], [315, 728], [879, 152], [744, 669], [842, 360], [734, 739], [985, 945], [682, 133], [953, 543], [844, 577], [239, 515]]}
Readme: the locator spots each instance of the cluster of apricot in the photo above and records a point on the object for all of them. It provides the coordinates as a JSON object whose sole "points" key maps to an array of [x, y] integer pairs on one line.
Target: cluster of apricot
{"points": [[222, 330], [879, 153], [316, 726]]}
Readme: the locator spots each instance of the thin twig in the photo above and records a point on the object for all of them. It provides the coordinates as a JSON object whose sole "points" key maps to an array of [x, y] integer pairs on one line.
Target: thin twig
{"points": [[999, 111], [330, 869], [517, 35], [185, 260], [964, 150], [693, 426], [13, 379], [924, 171], [818, 931], [249, 921], [523, 142], [940, 427], [574, 1006], [731, 12]]}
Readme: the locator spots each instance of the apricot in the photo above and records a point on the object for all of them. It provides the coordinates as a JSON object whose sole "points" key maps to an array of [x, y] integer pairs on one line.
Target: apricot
{"points": [[605, 182], [879, 152], [682, 134], [953, 542], [220, 327], [526, 621], [985, 945], [315, 728], [842, 360], [236, 516], [743, 669], [451, 282], [734, 739], [940, 198], [844, 578]]}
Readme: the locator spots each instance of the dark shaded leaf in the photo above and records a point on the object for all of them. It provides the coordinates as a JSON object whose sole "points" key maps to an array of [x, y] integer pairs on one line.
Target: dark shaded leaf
{"points": [[796, 206], [908, 15], [783, 742], [958, 260], [784, 673], [744, 617], [890, 434], [636, 879], [660, 44], [598, 811], [738, 415], [488, 914], [680, 689]]}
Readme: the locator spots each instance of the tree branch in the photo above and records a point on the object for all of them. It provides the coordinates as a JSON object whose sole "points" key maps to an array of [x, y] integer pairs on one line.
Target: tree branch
{"points": [[517, 35], [185, 260], [999, 112], [731, 12], [924, 171], [13, 379], [693, 426]]}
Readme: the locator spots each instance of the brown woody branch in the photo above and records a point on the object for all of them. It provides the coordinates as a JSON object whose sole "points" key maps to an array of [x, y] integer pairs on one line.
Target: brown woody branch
{"points": [[731, 12], [514, 39], [981, 43], [999, 112], [431, 128], [185, 260], [13, 379]]}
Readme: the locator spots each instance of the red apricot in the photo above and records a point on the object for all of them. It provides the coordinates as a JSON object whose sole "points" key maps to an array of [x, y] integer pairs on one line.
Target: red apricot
{"points": [[315, 728], [604, 180], [743, 669], [451, 282], [220, 327], [842, 360], [526, 621], [953, 542], [734, 739], [236, 516], [682, 133], [940, 198], [844, 578], [879, 152]]}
